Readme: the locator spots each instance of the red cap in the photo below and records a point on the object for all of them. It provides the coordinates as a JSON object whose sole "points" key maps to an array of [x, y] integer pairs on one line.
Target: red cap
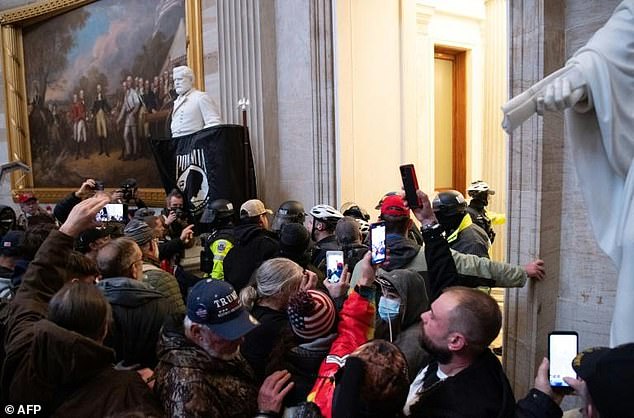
{"points": [[394, 206], [25, 197]]}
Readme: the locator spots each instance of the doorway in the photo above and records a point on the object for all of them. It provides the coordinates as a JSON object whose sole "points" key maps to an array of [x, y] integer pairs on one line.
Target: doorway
{"points": [[450, 119]]}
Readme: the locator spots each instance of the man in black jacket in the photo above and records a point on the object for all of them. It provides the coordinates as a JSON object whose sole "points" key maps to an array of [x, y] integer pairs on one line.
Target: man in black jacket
{"points": [[254, 244]]}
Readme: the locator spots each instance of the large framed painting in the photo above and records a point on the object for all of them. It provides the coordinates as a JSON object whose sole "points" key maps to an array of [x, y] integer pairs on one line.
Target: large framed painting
{"points": [[69, 67]]}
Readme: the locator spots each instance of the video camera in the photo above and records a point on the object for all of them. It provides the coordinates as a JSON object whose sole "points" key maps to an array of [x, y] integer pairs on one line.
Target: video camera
{"points": [[179, 212], [128, 188]]}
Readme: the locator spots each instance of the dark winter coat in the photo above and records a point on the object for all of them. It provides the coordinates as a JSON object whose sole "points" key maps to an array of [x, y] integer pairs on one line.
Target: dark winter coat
{"points": [[263, 340], [253, 246], [138, 312], [63, 207], [480, 390], [191, 383], [64, 372], [165, 283]]}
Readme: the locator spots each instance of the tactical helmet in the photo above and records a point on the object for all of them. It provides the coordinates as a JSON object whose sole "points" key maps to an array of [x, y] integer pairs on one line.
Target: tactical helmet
{"points": [[355, 211], [479, 186], [291, 211], [449, 203], [217, 209], [326, 213]]}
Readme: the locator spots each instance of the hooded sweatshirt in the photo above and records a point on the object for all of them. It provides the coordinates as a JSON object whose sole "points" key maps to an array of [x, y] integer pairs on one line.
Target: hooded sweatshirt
{"points": [[138, 313], [253, 246]]}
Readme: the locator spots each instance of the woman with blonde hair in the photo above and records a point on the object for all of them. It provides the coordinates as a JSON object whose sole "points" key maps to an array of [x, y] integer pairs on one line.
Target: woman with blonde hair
{"points": [[267, 296]]}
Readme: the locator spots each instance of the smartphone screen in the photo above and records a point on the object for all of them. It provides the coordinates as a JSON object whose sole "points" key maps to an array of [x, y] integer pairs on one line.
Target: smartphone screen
{"points": [[563, 347], [377, 234], [334, 266], [112, 212], [410, 185]]}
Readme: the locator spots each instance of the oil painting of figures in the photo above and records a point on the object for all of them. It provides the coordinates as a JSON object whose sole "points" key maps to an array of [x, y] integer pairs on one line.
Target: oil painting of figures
{"points": [[98, 78]]}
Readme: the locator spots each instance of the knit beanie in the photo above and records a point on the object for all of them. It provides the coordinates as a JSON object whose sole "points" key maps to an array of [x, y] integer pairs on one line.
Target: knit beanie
{"points": [[139, 231], [311, 314]]}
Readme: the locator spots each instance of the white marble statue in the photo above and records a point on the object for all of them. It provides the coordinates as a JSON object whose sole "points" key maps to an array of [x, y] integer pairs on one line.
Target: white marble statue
{"points": [[193, 109], [596, 89]]}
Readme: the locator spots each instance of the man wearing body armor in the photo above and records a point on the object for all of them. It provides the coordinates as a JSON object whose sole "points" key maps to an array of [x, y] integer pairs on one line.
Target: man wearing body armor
{"points": [[462, 234], [218, 220], [479, 192]]}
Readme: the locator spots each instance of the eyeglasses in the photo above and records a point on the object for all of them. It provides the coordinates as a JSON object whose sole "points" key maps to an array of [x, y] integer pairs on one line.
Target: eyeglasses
{"points": [[134, 262]]}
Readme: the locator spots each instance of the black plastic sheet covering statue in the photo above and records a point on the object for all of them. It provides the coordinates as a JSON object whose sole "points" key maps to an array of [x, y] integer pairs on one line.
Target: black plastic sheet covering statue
{"points": [[214, 163]]}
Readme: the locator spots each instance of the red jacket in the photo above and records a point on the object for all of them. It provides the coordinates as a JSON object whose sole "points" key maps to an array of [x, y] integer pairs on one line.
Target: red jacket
{"points": [[78, 112], [356, 326]]}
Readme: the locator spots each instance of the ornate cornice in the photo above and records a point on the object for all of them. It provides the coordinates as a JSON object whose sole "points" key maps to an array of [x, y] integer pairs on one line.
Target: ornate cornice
{"points": [[26, 15]]}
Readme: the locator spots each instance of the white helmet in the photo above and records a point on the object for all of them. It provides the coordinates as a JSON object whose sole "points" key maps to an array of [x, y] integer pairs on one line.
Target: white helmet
{"points": [[326, 213], [479, 186]]}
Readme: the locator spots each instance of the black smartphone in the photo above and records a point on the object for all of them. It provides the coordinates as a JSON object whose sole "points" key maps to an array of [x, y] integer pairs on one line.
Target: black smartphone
{"points": [[563, 347], [334, 266], [112, 212], [377, 240], [410, 184]]}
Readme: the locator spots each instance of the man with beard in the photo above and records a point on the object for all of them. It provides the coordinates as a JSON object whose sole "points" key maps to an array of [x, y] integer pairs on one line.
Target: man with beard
{"points": [[465, 378]]}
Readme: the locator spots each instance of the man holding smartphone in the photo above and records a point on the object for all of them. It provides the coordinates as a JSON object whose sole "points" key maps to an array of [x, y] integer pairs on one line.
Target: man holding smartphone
{"points": [[606, 379]]}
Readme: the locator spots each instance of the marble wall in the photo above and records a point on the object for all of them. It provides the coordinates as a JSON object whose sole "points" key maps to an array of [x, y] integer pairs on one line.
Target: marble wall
{"points": [[547, 215]]}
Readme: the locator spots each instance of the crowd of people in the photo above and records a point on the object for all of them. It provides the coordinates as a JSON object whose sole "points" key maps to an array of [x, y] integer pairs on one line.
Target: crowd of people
{"points": [[102, 320]]}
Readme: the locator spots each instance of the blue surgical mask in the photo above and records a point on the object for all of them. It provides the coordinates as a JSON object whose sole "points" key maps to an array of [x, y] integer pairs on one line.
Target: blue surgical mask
{"points": [[389, 308]]}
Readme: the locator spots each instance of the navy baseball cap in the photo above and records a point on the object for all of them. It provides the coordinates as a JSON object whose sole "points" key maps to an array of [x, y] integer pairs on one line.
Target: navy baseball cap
{"points": [[215, 304], [609, 376], [10, 243]]}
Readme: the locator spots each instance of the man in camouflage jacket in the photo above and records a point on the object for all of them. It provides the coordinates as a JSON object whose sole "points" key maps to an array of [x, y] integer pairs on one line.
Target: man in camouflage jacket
{"points": [[201, 372]]}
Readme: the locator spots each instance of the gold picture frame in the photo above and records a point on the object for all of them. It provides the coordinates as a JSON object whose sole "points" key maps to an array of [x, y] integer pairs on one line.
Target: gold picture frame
{"points": [[12, 23]]}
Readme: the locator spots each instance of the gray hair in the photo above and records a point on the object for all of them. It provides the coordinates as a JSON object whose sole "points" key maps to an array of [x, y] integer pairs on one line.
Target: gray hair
{"points": [[185, 71], [277, 276]]}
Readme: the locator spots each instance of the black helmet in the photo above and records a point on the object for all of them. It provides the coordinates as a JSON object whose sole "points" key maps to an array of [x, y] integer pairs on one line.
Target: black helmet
{"points": [[291, 211], [355, 211], [218, 209], [449, 203]]}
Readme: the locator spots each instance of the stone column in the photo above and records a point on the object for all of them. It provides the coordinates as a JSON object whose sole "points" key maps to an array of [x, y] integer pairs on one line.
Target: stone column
{"points": [[535, 168], [323, 115], [247, 67]]}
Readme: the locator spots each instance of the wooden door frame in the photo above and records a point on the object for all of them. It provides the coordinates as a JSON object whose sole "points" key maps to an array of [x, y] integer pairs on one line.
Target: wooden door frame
{"points": [[459, 118]]}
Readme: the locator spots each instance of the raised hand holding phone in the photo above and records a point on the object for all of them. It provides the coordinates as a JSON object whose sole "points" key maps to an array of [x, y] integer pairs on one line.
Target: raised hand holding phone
{"points": [[410, 185], [377, 239], [334, 266]]}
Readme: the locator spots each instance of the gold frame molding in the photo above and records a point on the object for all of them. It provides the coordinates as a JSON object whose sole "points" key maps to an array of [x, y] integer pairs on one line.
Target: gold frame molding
{"points": [[11, 23]]}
